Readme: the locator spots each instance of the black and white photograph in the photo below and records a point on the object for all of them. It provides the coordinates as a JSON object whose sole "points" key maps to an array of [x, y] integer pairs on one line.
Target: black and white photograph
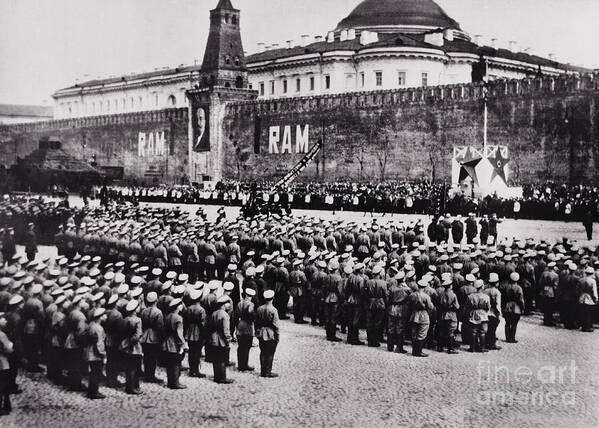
{"points": [[299, 213]]}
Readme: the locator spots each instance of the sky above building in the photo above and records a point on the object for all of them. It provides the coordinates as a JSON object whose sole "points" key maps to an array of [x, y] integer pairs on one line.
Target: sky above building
{"points": [[50, 44]]}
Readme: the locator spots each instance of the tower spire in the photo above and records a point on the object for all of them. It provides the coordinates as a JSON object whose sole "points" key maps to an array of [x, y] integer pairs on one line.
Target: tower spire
{"points": [[224, 61]]}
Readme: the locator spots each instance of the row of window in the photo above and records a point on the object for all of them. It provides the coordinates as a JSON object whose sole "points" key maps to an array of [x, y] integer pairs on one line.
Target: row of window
{"points": [[114, 106], [378, 78], [401, 79], [298, 85]]}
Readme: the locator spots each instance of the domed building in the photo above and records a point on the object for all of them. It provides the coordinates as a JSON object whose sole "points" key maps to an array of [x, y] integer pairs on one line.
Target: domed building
{"points": [[381, 44], [388, 44]]}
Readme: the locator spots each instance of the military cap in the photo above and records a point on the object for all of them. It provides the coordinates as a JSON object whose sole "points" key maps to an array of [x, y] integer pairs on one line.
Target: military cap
{"points": [[62, 262], [136, 292], [321, 264], [377, 270], [470, 277], [120, 264], [269, 294], [478, 283], [40, 267], [93, 273], [410, 273], [57, 292], [171, 275], [228, 286], [132, 306], [151, 297], [493, 278], [573, 266], [109, 276], [61, 299], [136, 280], [422, 283], [156, 271], [195, 295], [96, 259], [447, 281], [98, 313], [85, 259], [15, 300], [20, 274], [122, 289], [183, 277], [214, 284], [112, 299], [515, 276], [250, 271], [589, 270], [223, 299], [119, 278]]}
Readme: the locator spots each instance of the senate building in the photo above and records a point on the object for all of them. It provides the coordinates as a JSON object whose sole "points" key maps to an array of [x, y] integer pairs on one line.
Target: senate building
{"points": [[380, 45]]}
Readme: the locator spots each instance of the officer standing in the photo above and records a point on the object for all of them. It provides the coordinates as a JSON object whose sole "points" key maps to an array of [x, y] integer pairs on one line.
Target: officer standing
{"points": [[471, 228], [245, 329], [494, 311], [152, 323], [447, 307], [218, 342], [548, 284], [397, 311], [131, 349], [174, 344], [95, 352], [420, 306], [513, 308], [195, 331], [267, 326], [6, 349]]}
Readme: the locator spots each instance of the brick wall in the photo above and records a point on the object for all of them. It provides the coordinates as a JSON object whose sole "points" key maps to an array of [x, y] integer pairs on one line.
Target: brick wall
{"points": [[115, 140], [548, 124]]}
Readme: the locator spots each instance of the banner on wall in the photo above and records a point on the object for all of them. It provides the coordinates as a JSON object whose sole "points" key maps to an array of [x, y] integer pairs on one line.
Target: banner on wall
{"points": [[152, 144], [485, 168], [200, 124]]}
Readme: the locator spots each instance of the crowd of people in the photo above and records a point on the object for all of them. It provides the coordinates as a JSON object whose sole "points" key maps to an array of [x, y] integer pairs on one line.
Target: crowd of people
{"points": [[547, 202], [138, 286]]}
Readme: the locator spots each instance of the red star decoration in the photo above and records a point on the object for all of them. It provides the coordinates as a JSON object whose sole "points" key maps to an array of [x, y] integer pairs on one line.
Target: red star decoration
{"points": [[498, 163]]}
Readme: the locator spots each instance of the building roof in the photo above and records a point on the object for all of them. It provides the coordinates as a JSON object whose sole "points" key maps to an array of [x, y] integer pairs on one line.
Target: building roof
{"points": [[131, 77], [397, 13], [409, 40], [19, 110]]}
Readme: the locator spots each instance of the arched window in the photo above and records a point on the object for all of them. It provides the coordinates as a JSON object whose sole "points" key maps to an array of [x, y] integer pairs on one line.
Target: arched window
{"points": [[234, 20], [155, 99], [107, 106], [172, 101], [141, 102], [124, 103], [239, 82], [132, 103], [227, 85]]}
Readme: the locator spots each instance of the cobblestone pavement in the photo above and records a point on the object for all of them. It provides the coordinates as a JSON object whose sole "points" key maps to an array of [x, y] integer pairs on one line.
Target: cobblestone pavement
{"points": [[335, 384]]}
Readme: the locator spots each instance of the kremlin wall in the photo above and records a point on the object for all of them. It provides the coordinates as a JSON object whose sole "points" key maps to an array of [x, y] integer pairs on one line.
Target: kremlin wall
{"points": [[549, 125]]}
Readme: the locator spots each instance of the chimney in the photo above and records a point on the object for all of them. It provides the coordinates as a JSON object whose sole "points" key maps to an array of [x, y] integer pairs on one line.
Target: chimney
{"points": [[448, 34], [318, 39], [305, 39], [289, 44], [331, 37], [267, 47], [494, 43], [275, 46], [512, 46], [261, 47], [551, 57], [477, 38], [343, 36], [351, 34]]}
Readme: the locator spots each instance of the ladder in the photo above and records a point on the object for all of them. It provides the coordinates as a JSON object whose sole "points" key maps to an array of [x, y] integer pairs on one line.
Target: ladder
{"points": [[299, 167]]}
